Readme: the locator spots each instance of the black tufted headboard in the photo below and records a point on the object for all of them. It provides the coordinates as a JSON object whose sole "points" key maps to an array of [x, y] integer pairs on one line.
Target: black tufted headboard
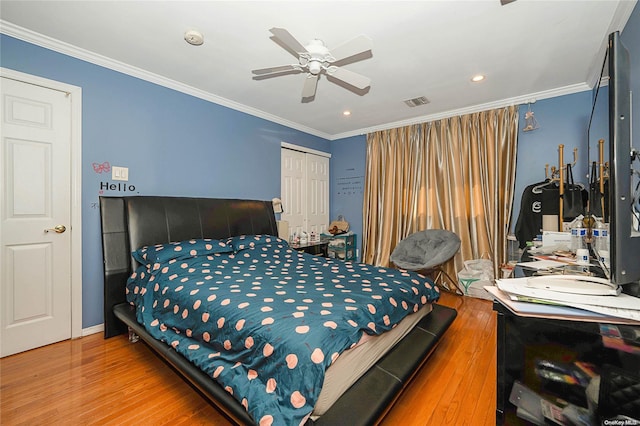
{"points": [[129, 223]]}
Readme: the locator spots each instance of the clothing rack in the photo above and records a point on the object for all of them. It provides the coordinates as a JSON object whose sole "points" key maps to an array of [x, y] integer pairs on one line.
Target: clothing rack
{"points": [[603, 173], [558, 175]]}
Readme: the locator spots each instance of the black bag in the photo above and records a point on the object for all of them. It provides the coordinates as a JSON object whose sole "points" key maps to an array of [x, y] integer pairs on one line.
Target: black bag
{"points": [[596, 198], [573, 204], [550, 200]]}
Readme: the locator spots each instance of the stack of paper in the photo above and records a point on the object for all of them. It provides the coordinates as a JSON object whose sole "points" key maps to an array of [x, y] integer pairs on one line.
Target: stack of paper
{"points": [[622, 306]]}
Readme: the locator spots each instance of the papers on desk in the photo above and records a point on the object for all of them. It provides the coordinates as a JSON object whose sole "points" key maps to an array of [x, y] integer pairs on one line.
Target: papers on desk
{"points": [[556, 239], [622, 306], [543, 264], [547, 261]]}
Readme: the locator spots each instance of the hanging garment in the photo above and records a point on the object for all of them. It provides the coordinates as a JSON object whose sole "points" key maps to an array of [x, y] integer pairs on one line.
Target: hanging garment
{"points": [[530, 217]]}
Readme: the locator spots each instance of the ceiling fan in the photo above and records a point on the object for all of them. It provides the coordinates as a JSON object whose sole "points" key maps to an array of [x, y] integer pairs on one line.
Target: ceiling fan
{"points": [[315, 59]]}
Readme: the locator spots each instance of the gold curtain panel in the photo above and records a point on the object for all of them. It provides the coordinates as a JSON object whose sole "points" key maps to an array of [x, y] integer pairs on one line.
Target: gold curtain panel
{"points": [[456, 173]]}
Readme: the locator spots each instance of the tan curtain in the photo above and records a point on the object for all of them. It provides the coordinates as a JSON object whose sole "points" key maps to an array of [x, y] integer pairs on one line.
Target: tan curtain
{"points": [[457, 174]]}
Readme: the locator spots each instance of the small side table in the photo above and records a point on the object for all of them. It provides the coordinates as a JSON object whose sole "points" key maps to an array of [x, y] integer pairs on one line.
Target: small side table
{"points": [[343, 247], [318, 248]]}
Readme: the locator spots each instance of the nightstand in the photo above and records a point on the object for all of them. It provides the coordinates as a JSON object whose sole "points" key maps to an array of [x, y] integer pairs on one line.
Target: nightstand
{"points": [[318, 248], [343, 247]]}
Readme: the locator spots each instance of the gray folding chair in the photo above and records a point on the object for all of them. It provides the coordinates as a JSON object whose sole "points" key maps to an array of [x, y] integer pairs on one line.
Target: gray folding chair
{"points": [[426, 252]]}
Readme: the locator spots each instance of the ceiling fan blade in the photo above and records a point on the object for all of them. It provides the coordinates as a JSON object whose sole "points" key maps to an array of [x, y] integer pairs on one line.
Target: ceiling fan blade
{"points": [[310, 84], [288, 40], [274, 69], [349, 77], [276, 74], [352, 47]]}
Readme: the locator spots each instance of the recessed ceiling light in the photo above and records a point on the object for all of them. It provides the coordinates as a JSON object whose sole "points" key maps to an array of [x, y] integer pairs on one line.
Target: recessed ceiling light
{"points": [[194, 37], [477, 78], [346, 113]]}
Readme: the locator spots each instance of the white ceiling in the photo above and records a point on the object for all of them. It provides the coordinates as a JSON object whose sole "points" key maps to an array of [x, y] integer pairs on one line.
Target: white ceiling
{"points": [[528, 49]]}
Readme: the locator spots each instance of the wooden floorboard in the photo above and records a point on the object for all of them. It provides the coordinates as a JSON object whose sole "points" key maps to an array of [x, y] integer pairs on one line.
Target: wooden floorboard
{"points": [[93, 381]]}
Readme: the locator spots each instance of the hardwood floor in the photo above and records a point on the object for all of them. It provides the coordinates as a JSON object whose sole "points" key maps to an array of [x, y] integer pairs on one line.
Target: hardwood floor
{"points": [[112, 382]]}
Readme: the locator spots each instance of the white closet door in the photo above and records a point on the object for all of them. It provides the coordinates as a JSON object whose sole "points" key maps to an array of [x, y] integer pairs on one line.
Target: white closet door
{"points": [[305, 191], [293, 188], [317, 193]]}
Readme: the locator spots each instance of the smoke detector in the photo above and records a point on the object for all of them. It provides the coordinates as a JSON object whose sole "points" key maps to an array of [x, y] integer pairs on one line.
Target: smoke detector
{"points": [[194, 37]]}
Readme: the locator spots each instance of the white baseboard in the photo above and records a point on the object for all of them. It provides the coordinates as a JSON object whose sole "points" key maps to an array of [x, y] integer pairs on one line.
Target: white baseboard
{"points": [[92, 330]]}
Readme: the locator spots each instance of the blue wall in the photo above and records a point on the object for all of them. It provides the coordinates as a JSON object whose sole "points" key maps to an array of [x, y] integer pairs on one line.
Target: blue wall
{"points": [[562, 120], [348, 158], [172, 143]]}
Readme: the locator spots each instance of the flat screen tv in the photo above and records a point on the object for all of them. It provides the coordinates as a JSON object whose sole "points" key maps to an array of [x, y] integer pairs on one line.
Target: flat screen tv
{"points": [[624, 163]]}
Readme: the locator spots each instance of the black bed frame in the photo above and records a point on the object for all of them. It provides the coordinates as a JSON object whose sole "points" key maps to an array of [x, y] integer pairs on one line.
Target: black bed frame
{"points": [[132, 222]]}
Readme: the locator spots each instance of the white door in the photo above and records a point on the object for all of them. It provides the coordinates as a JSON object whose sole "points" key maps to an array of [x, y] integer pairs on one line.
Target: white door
{"points": [[35, 269], [317, 193], [293, 189], [305, 191]]}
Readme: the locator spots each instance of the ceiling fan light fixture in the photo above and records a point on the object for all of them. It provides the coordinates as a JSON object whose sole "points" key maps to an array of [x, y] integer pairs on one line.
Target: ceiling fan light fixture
{"points": [[315, 67]]}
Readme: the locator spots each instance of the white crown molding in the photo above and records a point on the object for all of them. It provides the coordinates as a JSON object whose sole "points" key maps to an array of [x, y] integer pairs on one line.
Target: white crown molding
{"points": [[532, 97], [76, 52], [106, 62]]}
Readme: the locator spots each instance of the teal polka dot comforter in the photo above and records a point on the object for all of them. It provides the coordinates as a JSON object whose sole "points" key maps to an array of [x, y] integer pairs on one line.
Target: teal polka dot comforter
{"points": [[265, 320]]}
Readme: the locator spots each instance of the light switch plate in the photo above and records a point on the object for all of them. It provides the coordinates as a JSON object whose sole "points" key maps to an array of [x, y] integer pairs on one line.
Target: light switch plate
{"points": [[120, 173]]}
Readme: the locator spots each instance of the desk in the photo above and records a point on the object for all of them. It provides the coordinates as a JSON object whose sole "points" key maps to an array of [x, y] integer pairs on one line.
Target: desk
{"points": [[536, 350]]}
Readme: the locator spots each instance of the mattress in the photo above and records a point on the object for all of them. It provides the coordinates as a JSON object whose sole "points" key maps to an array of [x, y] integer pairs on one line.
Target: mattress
{"points": [[354, 362]]}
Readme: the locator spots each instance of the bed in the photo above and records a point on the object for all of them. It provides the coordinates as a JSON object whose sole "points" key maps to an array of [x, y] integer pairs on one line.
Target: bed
{"points": [[165, 258]]}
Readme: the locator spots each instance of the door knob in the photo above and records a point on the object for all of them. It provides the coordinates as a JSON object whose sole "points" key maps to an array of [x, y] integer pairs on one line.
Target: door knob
{"points": [[59, 229]]}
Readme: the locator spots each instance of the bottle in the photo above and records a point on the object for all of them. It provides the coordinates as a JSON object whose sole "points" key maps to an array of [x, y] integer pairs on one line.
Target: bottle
{"points": [[601, 237], [578, 235], [513, 251]]}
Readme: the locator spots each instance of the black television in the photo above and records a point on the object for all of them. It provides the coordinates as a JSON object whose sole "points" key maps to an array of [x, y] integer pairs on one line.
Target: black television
{"points": [[624, 250]]}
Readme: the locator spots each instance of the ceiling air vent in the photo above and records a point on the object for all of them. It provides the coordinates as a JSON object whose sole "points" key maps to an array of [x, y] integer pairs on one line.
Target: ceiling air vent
{"points": [[417, 101]]}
